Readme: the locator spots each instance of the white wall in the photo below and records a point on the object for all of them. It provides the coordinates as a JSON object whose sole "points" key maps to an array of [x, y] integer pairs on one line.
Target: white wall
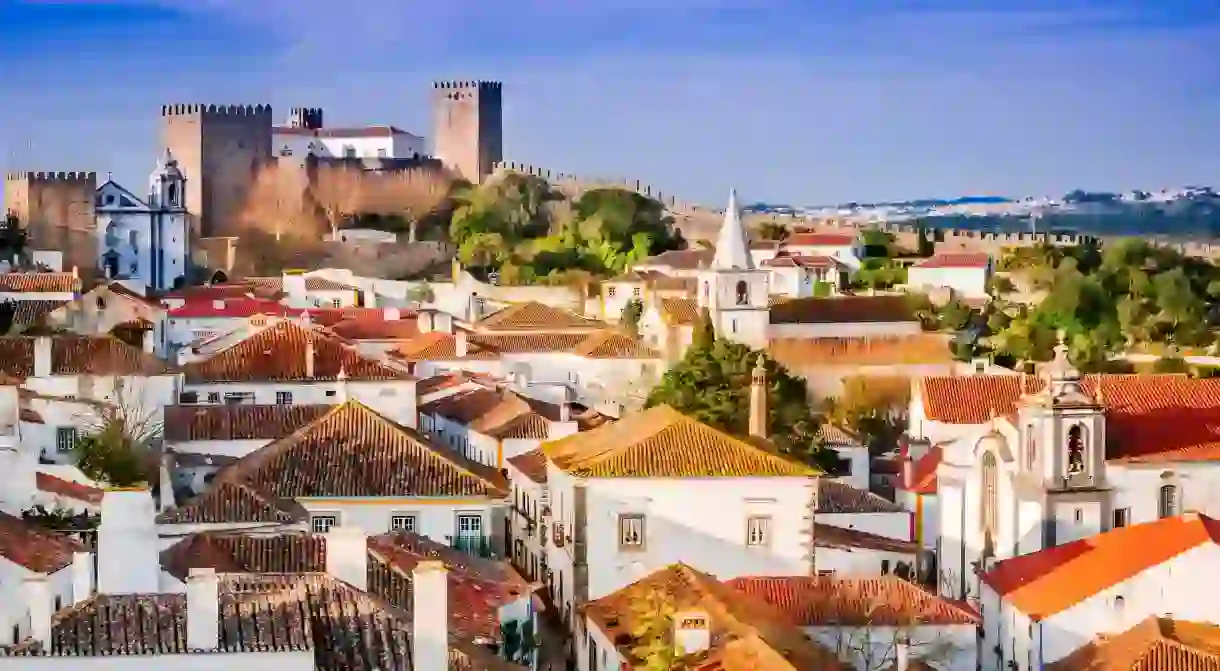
{"points": [[860, 561], [895, 525], [965, 282], [434, 518], [395, 399], [14, 611]]}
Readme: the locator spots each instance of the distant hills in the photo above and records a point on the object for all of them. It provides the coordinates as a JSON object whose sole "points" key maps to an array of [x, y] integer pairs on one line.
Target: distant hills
{"points": [[1190, 212]]}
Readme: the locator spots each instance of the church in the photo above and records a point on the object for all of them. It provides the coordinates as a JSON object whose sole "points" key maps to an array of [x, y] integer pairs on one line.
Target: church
{"points": [[1029, 463], [145, 241]]}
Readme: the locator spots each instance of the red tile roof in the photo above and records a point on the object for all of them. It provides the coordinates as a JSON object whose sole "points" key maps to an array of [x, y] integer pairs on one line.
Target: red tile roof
{"points": [[814, 601], [232, 308], [843, 310], [830, 536], [531, 464], [35, 548], [360, 328], [1044, 583], [39, 283], [238, 421], [955, 260], [1156, 644], [58, 486], [79, 355], [923, 473]]}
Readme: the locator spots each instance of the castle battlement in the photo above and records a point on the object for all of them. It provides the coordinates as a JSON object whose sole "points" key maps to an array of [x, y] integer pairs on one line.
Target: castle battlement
{"points": [[216, 110], [586, 183], [49, 177], [470, 84]]}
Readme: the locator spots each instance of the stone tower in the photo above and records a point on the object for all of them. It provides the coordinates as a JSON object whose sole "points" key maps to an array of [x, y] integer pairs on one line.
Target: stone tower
{"points": [[222, 148], [469, 131], [56, 209], [758, 399]]}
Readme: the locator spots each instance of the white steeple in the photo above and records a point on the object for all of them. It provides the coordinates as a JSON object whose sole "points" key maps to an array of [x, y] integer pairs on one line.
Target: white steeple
{"points": [[732, 246]]}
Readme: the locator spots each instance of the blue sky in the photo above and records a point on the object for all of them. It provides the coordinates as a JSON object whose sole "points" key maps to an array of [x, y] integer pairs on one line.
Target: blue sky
{"points": [[789, 101]]}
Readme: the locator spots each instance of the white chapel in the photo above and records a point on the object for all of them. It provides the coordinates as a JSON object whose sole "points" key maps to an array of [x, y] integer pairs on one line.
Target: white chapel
{"points": [[734, 291], [145, 241]]}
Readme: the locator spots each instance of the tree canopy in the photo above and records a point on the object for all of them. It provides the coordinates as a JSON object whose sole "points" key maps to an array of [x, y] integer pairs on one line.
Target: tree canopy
{"points": [[712, 384]]}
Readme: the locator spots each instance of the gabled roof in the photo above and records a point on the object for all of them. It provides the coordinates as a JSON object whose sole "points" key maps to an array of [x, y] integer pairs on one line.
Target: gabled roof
{"points": [[815, 601], [238, 421], [29, 313], [830, 536], [1044, 583], [614, 345], [21, 283], [678, 311], [57, 486], [125, 200], [1156, 644], [663, 443], [595, 344], [535, 316], [923, 471], [747, 634], [955, 260], [682, 259], [843, 310], [278, 352], [73, 354], [35, 548], [312, 283]]}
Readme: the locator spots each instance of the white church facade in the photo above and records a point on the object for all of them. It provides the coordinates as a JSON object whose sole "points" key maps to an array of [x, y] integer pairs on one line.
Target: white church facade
{"points": [[734, 291], [145, 240]]}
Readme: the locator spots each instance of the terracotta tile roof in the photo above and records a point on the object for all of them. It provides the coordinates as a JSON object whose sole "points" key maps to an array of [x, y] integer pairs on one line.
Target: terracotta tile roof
{"points": [[534, 316], [820, 240], [923, 474], [79, 355], [830, 536], [119, 290], [747, 634], [955, 260], [843, 310], [238, 421], [349, 452], [443, 381], [35, 548], [682, 259], [312, 283], [30, 415], [278, 353], [614, 345], [528, 426], [787, 261], [531, 464], [344, 627], [437, 346], [477, 587], [502, 413], [1156, 644], [29, 313], [465, 406], [814, 601], [58, 486], [210, 292], [679, 311], [232, 308], [840, 497], [918, 348], [1149, 418], [39, 283], [663, 443], [376, 329], [1044, 583], [837, 435]]}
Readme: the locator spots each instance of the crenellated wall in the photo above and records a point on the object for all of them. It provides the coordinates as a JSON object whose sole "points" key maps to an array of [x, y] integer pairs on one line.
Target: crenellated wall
{"points": [[56, 209], [468, 133]]}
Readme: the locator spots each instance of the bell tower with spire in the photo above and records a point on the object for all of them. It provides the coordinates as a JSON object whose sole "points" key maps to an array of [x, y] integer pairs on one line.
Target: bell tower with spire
{"points": [[732, 288]]}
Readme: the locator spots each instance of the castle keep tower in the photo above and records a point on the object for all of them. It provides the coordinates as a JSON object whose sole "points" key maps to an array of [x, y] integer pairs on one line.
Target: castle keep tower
{"points": [[222, 148], [56, 209], [469, 129]]}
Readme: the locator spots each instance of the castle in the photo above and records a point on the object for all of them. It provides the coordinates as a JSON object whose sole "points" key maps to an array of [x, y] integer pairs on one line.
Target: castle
{"points": [[222, 148]]}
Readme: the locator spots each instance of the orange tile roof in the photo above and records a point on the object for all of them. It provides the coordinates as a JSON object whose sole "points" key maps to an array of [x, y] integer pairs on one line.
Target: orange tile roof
{"points": [[1044, 583], [783, 260], [599, 344], [815, 601], [278, 353], [843, 310], [614, 345], [35, 548], [531, 464], [747, 634], [956, 260], [312, 283], [39, 282], [79, 355], [682, 259], [679, 311], [923, 474], [360, 328], [1149, 418], [58, 486], [238, 421], [663, 443], [830, 536], [1156, 644], [532, 316], [837, 435], [502, 413], [29, 313], [916, 348]]}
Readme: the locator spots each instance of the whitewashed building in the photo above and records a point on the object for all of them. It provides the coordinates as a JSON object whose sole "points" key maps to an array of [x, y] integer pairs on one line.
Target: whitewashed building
{"points": [[967, 275], [37, 563], [141, 240]]}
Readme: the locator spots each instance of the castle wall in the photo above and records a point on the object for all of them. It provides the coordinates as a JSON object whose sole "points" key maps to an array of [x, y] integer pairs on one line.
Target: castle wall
{"points": [[220, 149], [56, 209], [469, 127]]}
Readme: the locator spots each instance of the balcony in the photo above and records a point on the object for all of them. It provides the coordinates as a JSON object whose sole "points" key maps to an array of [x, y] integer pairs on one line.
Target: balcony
{"points": [[479, 546]]}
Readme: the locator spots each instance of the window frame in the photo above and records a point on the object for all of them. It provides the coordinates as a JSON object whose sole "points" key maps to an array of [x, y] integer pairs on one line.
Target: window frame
{"points": [[314, 518], [399, 516], [759, 525], [73, 435], [283, 398], [641, 541]]}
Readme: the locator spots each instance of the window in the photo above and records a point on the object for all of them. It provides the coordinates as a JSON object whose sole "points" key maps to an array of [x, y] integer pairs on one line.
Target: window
{"points": [[1031, 448], [336, 303], [1122, 517], [1079, 515], [885, 567], [382, 152], [988, 508], [1167, 506], [733, 325], [322, 523], [349, 151], [331, 393], [188, 398], [758, 530], [826, 574], [1119, 602], [213, 397], [743, 293], [65, 438], [283, 398], [610, 292], [59, 603], [402, 523], [470, 526], [631, 532], [1075, 450], [635, 292], [239, 397]]}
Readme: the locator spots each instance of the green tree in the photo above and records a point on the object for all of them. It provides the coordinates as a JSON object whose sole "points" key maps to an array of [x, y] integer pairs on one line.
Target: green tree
{"points": [[117, 446], [1170, 364], [712, 384], [955, 315], [925, 241], [704, 332], [772, 230], [630, 319]]}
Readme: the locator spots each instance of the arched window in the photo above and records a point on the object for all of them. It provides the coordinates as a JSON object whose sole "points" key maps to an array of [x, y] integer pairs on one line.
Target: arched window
{"points": [[1075, 448], [1167, 505], [1031, 449], [743, 293], [990, 493], [707, 291], [173, 194]]}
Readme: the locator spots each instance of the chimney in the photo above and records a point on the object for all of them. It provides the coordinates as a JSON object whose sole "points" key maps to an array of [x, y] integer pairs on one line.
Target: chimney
{"points": [[460, 345], [425, 321], [202, 609], [38, 601], [82, 576], [341, 386], [42, 356], [430, 615], [565, 406], [127, 548], [149, 342], [902, 655], [758, 399], [347, 556], [309, 356], [442, 321], [908, 472], [165, 470], [692, 634], [390, 314]]}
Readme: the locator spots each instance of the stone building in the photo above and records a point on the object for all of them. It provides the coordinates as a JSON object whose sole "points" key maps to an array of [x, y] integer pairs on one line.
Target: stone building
{"points": [[56, 209], [469, 127]]}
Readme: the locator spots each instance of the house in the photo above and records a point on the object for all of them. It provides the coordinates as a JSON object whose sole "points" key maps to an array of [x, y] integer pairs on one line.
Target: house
{"points": [[1157, 642], [638, 285], [719, 626], [145, 241], [527, 536], [845, 248], [308, 291], [857, 532], [39, 286], [62, 566], [291, 362], [1041, 608], [353, 467], [379, 331], [852, 453], [874, 623], [967, 275], [620, 503], [807, 276], [201, 319], [1030, 463], [113, 308]]}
